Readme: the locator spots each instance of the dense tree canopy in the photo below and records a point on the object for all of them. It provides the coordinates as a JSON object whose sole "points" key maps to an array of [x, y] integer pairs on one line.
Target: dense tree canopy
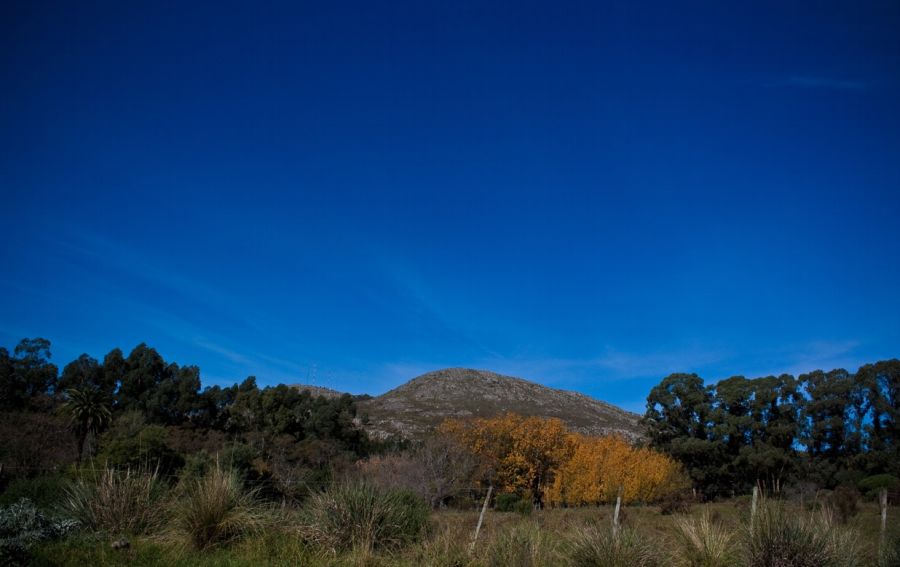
{"points": [[156, 407], [826, 427]]}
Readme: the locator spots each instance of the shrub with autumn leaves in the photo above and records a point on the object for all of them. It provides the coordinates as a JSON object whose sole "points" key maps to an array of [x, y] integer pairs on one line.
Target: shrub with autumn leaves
{"points": [[541, 459]]}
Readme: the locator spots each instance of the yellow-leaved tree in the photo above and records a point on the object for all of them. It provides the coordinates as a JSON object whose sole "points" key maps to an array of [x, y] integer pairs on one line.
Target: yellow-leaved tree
{"points": [[517, 454], [539, 458]]}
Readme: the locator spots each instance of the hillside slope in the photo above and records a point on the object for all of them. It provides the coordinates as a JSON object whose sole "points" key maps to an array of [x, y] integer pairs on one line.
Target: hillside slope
{"points": [[416, 407]]}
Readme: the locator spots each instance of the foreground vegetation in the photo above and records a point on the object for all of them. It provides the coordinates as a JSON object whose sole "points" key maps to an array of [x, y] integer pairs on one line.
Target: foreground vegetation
{"points": [[709, 535]]}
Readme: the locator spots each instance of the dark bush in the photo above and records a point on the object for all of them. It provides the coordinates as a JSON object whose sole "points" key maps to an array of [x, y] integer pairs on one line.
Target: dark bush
{"points": [[872, 485], [130, 443], [45, 491], [845, 501], [508, 502], [676, 503]]}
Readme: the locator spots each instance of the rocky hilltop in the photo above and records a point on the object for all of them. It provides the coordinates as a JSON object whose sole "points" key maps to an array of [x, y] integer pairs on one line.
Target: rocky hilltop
{"points": [[416, 407], [318, 390]]}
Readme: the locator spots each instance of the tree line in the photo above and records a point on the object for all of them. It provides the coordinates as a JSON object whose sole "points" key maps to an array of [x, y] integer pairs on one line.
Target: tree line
{"points": [[821, 428], [140, 407]]}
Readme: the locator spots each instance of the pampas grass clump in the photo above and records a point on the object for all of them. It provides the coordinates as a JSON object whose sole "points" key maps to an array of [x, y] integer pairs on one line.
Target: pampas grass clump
{"points": [[116, 501], [216, 509]]}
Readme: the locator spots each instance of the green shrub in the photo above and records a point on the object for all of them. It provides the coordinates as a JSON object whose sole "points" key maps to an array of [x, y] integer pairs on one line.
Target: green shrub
{"points": [[792, 539], [130, 443], [216, 509], [596, 546], [22, 525], [704, 542], [361, 516], [45, 491], [508, 502], [870, 486], [115, 502]]}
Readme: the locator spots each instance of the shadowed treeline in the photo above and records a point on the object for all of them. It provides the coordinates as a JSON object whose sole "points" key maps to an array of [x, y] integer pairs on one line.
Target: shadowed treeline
{"points": [[821, 428]]}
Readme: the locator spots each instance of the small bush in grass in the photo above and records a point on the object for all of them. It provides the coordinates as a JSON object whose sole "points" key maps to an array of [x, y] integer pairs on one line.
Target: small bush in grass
{"points": [[845, 500], [507, 502], [778, 537], [677, 502], [45, 491], [216, 509], [704, 542], [596, 546], [116, 502], [363, 517], [22, 525]]}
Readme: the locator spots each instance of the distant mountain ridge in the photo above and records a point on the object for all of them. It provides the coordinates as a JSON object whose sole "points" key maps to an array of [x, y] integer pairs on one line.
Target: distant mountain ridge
{"points": [[418, 406]]}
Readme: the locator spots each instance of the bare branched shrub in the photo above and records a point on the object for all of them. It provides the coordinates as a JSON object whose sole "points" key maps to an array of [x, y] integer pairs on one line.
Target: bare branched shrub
{"points": [[436, 470]]}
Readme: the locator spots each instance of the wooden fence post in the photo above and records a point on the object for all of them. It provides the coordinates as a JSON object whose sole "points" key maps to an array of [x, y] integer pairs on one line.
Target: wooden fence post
{"points": [[753, 509], [882, 499], [487, 499], [616, 513]]}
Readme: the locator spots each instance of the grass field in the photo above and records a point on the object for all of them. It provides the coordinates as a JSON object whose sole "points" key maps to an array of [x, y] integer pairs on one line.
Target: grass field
{"points": [[544, 538]]}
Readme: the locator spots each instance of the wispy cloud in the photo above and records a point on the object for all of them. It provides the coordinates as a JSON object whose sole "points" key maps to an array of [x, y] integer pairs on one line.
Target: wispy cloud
{"points": [[813, 355], [121, 259]]}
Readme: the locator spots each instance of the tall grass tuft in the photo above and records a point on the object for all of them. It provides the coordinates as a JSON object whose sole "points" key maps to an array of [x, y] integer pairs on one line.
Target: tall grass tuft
{"points": [[704, 542], [362, 517], [216, 509], [596, 546], [448, 547], [523, 545], [115, 502], [785, 539]]}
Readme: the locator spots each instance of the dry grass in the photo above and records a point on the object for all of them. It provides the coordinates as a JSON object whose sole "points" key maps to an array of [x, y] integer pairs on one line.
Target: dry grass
{"points": [[217, 509], [548, 537], [704, 542], [787, 538], [116, 502], [361, 517]]}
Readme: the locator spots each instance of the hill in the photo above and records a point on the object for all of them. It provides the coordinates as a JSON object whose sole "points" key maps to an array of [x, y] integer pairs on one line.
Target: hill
{"points": [[416, 407], [318, 390]]}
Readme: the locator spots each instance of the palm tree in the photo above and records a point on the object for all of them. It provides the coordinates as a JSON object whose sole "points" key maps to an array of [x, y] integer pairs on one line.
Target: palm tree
{"points": [[89, 410]]}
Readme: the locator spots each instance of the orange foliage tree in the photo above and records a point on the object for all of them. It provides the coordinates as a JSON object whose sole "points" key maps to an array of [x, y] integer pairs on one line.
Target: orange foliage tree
{"points": [[540, 458], [601, 466], [517, 454]]}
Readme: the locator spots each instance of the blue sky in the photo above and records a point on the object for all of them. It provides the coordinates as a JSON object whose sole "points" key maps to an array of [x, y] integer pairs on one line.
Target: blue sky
{"points": [[590, 196]]}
